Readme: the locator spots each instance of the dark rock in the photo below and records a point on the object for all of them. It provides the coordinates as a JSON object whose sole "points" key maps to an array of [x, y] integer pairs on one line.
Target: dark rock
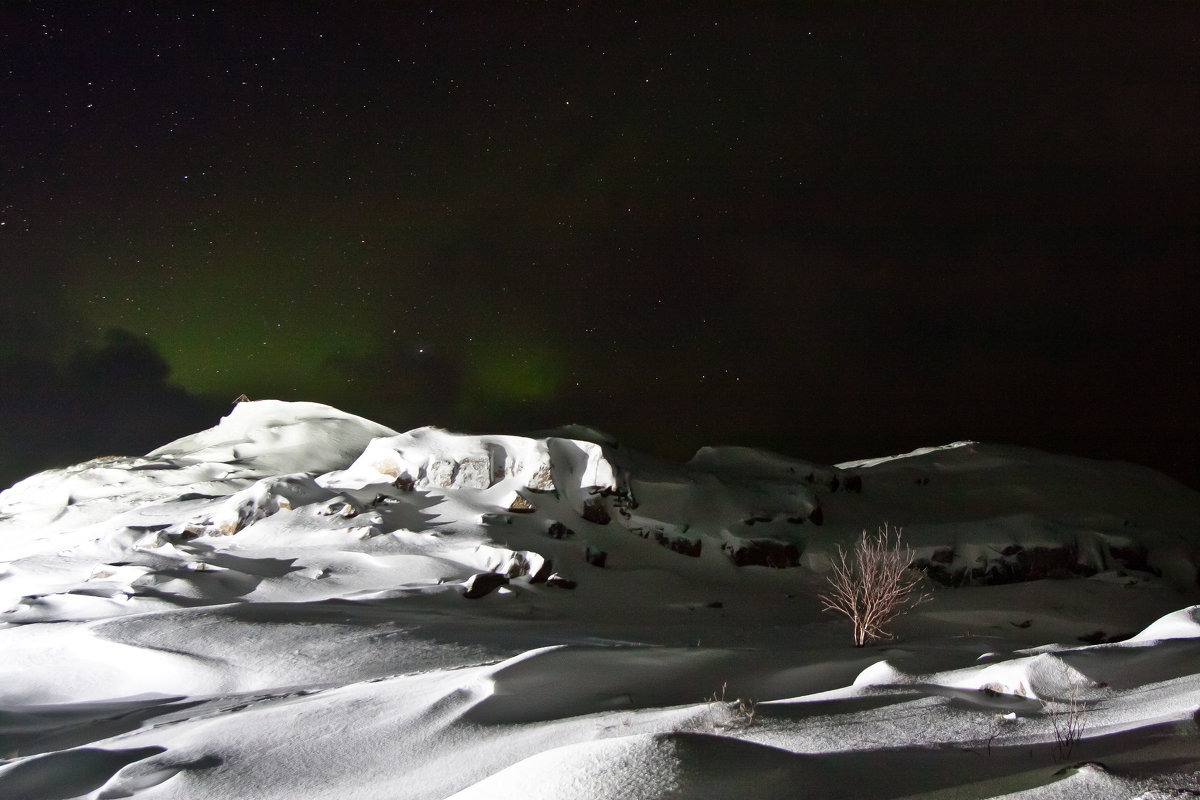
{"points": [[1011, 564], [197, 496], [622, 496], [938, 567], [763, 553], [1053, 562], [542, 480], [560, 582], [559, 531], [404, 483], [596, 558], [853, 484], [682, 545], [941, 574], [817, 516], [715, 604], [543, 572], [483, 583], [1132, 556], [833, 483], [942, 555], [521, 505], [676, 544], [595, 511], [1018, 564]]}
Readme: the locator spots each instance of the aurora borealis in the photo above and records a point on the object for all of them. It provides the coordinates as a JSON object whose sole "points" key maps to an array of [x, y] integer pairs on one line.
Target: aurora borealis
{"points": [[832, 230]]}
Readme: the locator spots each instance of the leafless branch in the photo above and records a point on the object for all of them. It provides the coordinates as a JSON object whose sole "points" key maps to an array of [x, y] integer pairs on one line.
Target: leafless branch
{"points": [[872, 585]]}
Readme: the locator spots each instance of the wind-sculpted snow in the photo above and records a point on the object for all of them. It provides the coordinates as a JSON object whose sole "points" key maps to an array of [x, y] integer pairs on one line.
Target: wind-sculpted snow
{"points": [[299, 602], [273, 437], [1181, 624]]}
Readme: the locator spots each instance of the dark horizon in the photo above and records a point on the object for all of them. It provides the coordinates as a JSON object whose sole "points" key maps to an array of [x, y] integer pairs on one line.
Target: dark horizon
{"points": [[136, 423], [835, 231]]}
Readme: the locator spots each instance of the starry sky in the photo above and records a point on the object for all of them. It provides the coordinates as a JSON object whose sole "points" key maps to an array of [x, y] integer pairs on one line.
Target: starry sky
{"points": [[834, 230]]}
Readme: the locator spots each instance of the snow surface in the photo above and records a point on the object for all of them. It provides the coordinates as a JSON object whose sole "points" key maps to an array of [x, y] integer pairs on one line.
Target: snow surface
{"points": [[302, 603]]}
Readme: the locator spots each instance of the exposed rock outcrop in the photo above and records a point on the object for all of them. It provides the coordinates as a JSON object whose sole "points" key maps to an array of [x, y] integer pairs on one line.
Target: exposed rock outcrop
{"points": [[482, 584], [762, 553], [597, 558]]}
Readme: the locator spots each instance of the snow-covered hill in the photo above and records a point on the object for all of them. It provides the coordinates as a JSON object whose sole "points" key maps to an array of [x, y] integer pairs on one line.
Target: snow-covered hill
{"points": [[299, 602]]}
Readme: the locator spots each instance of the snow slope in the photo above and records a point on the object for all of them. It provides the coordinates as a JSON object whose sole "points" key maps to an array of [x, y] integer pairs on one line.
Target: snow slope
{"points": [[302, 603]]}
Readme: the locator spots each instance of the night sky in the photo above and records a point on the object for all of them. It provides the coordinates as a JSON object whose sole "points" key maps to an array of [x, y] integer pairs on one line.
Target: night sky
{"points": [[831, 230]]}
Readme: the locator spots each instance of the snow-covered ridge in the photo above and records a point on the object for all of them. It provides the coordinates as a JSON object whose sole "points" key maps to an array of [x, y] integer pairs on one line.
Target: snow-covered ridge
{"points": [[277, 436], [974, 513], [920, 451], [428, 458]]}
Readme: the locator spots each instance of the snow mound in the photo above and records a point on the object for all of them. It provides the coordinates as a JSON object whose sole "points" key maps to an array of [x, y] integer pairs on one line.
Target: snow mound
{"points": [[274, 436], [264, 498], [881, 673], [748, 461], [631, 768], [1040, 677], [431, 458], [1181, 624]]}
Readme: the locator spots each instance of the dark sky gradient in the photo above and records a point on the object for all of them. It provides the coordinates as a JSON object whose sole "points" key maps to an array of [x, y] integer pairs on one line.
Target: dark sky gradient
{"points": [[831, 230]]}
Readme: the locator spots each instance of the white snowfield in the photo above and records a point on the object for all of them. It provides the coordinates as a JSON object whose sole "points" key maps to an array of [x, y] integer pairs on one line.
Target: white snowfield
{"points": [[300, 603]]}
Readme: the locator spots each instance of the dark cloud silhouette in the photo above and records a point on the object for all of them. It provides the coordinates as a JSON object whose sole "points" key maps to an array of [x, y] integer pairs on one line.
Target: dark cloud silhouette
{"points": [[125, 362], [109, 400]]}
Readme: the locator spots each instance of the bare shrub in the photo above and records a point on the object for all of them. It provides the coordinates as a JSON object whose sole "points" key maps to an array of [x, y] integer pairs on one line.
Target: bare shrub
{"points": [[730, 714], [873, 584], [1067, 719]]}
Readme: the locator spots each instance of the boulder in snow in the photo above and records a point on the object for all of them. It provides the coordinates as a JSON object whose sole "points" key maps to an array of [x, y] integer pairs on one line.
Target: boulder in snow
{"points": [[762, 553], [482, 584], [266, 497]]}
